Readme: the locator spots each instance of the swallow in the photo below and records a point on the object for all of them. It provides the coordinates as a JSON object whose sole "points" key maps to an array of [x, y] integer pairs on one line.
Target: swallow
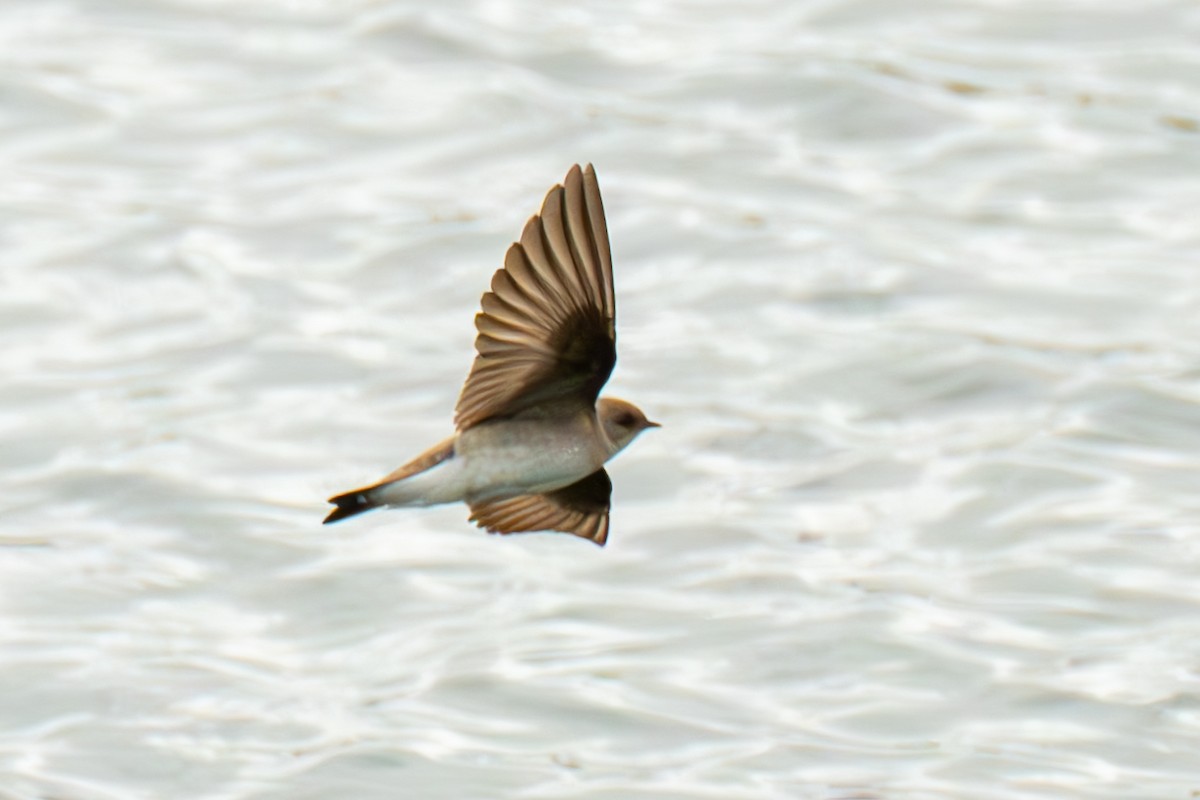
{"points": [[532, 434]]}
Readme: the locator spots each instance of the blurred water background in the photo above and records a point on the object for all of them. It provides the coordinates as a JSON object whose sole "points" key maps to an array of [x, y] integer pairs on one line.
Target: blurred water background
{"points": [[914, 288]]}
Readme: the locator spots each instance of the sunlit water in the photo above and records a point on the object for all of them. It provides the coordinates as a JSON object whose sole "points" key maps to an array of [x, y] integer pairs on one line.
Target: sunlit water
{"points": [[914, 288]]}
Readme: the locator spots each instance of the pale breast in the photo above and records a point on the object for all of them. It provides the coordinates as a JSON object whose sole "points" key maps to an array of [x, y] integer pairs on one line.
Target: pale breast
{"points": [[510, 457]]}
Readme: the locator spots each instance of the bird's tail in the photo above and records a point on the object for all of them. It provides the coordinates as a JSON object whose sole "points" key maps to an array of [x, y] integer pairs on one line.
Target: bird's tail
{"points": [[395, 489], [350, 504]]}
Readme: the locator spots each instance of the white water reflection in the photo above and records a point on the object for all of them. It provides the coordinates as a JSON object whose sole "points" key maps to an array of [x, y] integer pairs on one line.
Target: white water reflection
{"points": [[913, 290]]}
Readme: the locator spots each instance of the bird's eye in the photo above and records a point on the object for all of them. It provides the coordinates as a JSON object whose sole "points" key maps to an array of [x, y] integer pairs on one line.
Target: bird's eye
{"points": [[624, 419]]}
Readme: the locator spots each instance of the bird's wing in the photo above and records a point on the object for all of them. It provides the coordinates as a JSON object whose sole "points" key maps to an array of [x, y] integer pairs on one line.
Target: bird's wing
{"points": [[581, 509], [547, 331]]}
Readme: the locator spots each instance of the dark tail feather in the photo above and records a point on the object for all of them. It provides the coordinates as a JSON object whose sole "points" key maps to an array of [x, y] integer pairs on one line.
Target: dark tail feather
{"points": [[349, 504]]}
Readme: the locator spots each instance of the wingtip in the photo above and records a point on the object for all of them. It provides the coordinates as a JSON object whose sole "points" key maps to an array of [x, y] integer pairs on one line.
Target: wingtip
{"points": [[586, 172]]}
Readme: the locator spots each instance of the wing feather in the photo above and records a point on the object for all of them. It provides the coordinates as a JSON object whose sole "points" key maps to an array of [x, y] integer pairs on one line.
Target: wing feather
{"points": [[580, 509], [557, 252], [547, 328], [580, 238]]}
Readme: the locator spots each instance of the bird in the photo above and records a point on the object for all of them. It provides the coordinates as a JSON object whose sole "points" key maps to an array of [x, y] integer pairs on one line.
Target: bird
{"points": [[532, 434]]}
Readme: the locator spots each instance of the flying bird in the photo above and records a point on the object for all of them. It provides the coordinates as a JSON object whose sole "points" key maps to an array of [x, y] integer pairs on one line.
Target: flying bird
{"points": [[532, 434]]}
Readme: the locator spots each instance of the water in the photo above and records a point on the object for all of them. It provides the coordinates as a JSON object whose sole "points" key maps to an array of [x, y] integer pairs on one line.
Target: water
{"points": [[913, 289]]}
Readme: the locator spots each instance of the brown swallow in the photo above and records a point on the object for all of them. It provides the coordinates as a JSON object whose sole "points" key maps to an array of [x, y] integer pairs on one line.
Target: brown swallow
{"points": [[532, 435]]}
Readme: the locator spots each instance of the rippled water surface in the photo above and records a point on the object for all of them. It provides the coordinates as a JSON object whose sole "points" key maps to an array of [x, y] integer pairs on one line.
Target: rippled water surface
{"points": [[913, 287]]}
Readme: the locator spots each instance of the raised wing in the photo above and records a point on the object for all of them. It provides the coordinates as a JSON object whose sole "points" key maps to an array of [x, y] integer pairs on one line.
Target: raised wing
{"points": [[547, 331], [580, 509]]}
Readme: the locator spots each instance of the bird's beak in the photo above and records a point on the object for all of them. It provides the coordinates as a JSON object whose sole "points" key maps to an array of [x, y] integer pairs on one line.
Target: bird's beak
{"points": [[650, 424]]}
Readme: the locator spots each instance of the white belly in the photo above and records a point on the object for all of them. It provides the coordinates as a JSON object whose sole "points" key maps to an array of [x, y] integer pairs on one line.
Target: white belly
{"points": [[504, 459], [526, 457], [443, 483]]}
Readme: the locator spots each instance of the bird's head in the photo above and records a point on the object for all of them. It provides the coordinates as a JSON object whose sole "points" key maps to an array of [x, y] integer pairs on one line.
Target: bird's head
{"points": [[622, 422]]}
